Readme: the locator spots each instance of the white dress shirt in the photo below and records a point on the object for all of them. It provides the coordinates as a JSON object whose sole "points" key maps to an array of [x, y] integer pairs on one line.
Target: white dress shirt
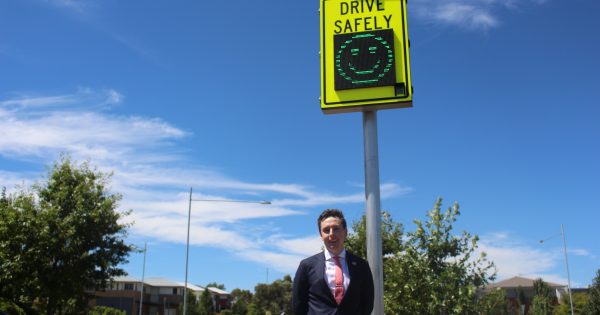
{"points": [[330, 270]]}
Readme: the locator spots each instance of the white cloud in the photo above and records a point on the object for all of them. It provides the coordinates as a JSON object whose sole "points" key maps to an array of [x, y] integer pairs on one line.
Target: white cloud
{"points": [[285, 263], [305, 246], [154, 179], [579, 252], [514, 258], [47, 125], [113, 97], [12, 181], [467, 14]]}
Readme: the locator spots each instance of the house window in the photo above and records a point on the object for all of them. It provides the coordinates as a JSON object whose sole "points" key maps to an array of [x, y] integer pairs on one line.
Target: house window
{"points": [[128, 286]]}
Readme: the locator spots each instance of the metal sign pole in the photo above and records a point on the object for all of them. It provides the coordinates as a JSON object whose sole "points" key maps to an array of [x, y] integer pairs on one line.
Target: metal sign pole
{"points": [[373, 207]]}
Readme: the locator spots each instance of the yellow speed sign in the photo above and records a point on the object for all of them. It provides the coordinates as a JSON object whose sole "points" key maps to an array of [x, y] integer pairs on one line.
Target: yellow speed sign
{"points": [[365, 61]]}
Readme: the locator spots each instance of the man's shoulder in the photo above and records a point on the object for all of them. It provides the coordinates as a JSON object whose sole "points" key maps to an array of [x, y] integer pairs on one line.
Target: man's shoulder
{"points": [[357, 259], [313, 258]]}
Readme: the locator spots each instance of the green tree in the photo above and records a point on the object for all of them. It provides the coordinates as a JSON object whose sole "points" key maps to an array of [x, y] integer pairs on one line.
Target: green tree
{"points": [[10, 308], [542, 300], [494, 302], [540, 305], [391, 236], [592, 307], [105, 310], [542, 288], [192, 306], [522, 300], [432, 271], [205, 305], [579, 302], [274, 298], [253, 310], [240, 299], [61, 238], [21, 255]]}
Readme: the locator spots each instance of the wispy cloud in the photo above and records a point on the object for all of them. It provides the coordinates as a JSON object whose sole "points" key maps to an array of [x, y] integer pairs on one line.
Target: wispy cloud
{"points": [[516, 258], [80, 7], [466, 14], [47, 125], [152, 173]]}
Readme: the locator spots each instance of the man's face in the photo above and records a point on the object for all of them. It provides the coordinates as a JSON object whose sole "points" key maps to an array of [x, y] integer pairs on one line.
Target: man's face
{"points": [[333, 234]]}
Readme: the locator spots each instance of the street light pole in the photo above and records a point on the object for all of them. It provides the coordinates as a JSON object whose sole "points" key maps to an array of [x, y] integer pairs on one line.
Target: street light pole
{"points": [[187, 255], [562, 230], [187, 246], [143, 279]]}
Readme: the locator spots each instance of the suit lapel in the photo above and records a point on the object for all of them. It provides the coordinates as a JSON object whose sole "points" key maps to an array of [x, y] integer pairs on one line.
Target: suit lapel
{"points": [[320, 269], [352, 269]]}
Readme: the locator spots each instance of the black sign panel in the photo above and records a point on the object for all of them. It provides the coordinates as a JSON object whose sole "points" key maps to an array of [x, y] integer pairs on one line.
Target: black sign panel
{"points": [[364, 59]]}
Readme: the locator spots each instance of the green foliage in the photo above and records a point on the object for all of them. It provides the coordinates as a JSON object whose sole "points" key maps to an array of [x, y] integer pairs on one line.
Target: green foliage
{"points": [[522, 300], [391, 236], [275, 297], [191, 304], [592, 307], [205, 305], [241, 300], [60, 238], [432, 271], [541, 288], [494, 303], [105, 310], [10, 308], [542, 301], [541, 305], [253, 309], [20, 252], [580, 301]]}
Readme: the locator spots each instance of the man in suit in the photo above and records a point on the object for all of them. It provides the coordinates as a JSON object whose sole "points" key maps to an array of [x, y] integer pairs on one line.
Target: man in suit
{"points": [[333, 281]]}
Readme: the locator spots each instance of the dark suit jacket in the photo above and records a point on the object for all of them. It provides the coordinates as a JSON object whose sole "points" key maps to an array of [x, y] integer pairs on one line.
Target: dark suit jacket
{"points": [[311, 295]]}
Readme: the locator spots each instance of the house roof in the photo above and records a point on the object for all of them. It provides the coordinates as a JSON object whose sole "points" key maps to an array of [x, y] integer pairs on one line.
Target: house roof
{"points": [[192, 287], [217, 291], [125, 279], [162, 282], [515, 282]]}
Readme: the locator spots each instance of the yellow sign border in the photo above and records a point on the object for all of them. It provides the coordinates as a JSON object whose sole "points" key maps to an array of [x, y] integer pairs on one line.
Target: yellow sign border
{"points": [[372, 98]]}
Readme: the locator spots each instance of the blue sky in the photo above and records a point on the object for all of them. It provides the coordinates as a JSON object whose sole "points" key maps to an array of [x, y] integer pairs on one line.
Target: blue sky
{"points": [[223, 97]]}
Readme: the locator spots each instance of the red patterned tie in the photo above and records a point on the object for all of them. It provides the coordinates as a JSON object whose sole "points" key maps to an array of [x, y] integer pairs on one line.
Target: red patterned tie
{"points": [[339, 281]]}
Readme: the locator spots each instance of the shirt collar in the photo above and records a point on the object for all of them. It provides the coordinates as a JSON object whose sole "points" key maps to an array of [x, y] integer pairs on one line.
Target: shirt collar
{"points": [[329, 256]]}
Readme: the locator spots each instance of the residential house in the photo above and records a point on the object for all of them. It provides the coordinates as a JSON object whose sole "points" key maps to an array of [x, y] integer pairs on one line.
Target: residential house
{"points": [[520, 291], [161, 296]]}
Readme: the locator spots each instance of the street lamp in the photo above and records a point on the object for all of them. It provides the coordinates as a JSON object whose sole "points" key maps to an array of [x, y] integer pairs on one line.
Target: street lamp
{"points": [[187, 246], [562, 231], [143, 278]]}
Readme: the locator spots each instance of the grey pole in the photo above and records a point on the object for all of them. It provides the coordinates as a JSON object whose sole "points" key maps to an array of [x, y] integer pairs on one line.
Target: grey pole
{"points": [[562, 230], [187, 254], [143, 274], [187, 246], [373, 205]]}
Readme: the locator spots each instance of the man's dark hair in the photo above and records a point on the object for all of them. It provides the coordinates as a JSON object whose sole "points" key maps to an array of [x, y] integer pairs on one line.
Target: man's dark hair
{"points": [[327, 213]]}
